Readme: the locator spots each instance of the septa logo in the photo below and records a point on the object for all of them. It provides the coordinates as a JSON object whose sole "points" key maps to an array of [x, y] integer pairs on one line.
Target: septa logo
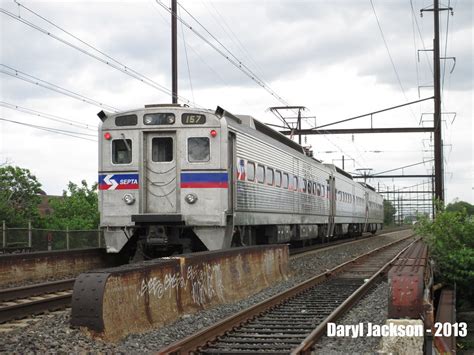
{"points": [[118, 182]]}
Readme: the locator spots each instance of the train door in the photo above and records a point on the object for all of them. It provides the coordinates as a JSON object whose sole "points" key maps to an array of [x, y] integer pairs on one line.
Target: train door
{"points": [[160, 173]]}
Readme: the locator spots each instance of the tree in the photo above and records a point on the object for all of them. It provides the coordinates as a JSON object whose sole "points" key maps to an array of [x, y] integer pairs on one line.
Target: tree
{"points": [[458, 206], [388, 213], [451, 240], [19, 196], [77, 209]]}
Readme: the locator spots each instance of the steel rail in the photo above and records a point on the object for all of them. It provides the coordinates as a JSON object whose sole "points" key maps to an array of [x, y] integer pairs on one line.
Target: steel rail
{"points": [[297, 252], [308, 343], [14, 293], [20, 302], [199, 339], [21, 310]]}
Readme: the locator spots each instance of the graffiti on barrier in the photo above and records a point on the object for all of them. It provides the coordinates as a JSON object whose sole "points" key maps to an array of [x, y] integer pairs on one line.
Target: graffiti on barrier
{"points": [[204, 281]]}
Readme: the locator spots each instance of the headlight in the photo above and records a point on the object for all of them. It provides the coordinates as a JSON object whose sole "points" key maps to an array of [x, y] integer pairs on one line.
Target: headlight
{"points": [[129, 199], [191, 198]]}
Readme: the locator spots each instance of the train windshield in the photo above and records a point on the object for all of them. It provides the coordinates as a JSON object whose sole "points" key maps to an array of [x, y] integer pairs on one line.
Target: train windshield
{"points": [[121, 151], [162, 149]]}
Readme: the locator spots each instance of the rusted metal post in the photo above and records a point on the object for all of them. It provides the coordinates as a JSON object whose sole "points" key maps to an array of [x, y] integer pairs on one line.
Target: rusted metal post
{"points": [[98, 238], [67, 238], [29, 234]]}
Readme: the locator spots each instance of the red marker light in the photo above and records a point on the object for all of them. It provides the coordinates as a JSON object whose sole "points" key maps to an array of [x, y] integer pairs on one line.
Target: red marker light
{"points": [[107, 135], [213, 133]]}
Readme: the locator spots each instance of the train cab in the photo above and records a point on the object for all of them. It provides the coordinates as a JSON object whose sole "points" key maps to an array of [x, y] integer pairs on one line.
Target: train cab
{"points": [[161, 169]]}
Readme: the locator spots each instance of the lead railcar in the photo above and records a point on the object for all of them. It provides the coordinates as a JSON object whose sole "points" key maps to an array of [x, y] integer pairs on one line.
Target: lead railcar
{"points": [[174, 179]]}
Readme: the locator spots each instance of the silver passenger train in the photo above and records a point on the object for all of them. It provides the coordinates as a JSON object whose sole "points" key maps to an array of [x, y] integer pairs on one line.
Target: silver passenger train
{"points": [[174, 179]]}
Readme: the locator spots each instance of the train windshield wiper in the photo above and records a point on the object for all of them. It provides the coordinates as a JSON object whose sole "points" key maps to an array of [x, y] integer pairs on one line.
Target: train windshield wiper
{"points": [[129, 149]]}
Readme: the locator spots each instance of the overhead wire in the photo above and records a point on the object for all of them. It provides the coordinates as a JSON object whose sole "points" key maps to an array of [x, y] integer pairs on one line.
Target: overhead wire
{"points": [[235, 57], [390, 56], [187, 61], [220, 20], [416, 53], [203, 60], [106, 59], [230, 57], [48, 116], [445, 48], [36, 81], [421, 36], [49, 129]]}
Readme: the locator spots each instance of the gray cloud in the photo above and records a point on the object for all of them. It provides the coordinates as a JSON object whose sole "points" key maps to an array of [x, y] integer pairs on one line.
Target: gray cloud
{"points": [[293, 45]]}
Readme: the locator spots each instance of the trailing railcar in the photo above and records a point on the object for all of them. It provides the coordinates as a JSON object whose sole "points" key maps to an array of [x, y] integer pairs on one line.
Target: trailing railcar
{"points": [[175, 179]]}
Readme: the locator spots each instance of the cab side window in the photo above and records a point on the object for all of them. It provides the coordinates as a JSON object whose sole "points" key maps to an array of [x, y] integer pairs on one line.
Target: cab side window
{"points": [[199, 149], [122, 151]]}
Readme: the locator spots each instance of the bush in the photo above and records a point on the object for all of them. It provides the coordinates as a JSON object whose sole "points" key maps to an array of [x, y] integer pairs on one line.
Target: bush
{"points": [[451, 240]]}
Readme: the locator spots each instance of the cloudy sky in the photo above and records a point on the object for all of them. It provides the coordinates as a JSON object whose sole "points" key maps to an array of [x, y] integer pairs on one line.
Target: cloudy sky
{"points": [[329, 56]]}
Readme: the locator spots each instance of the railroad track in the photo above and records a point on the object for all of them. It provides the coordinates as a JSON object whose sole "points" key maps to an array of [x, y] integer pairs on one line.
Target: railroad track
{"points": [[293, 321], [298, 251], [20, 302]]}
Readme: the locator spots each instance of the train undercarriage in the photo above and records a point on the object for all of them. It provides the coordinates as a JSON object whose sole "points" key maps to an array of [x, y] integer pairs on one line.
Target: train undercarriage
{"points": [[152, 241]]}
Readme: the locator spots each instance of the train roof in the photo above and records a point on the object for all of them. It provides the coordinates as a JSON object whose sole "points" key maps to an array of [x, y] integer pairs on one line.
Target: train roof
{"points": [[367, 186], [260, 127]]}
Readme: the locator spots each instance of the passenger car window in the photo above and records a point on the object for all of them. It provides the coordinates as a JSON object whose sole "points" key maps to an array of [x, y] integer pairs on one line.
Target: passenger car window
{"points": [[303, 183], [162, 149], [260, 173], [199, 149], [285, 181], [250, 171], [277, 178], [122, 151], [269, 175], [295, 183]]}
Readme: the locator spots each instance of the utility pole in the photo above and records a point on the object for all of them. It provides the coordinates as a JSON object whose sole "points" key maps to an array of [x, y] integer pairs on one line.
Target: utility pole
{"points": [[438, 144], [174, 52], [439, 192], [299, 126]]}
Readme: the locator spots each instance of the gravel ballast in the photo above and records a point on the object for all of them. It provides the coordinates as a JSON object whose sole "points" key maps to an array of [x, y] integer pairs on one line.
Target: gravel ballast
{"points": [[54, 333], [372, 308]]}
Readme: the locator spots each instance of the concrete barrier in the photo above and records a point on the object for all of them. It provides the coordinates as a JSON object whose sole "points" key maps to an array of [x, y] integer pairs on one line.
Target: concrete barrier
{"points": [[36, 266], [113, 303]]}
